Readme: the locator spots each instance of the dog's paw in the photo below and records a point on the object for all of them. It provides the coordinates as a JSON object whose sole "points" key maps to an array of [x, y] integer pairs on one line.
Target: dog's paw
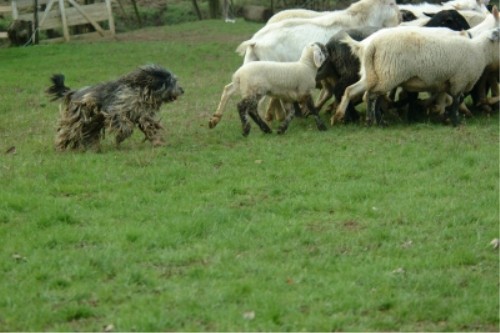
{"points": [[158, 143]]}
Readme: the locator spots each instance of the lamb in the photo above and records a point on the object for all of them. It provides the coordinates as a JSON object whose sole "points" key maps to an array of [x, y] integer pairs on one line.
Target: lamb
{"points": [[419, 60], [290, 81]]}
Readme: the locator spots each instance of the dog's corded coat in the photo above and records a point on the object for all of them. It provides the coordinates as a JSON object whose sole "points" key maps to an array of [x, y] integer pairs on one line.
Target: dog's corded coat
{"points": [[115, 106]]}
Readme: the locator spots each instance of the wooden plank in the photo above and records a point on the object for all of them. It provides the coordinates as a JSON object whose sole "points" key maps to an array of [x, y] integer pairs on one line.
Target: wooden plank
{"points": [[110, 16], [96, 26], [28, 4], [46, 13], [53, 19], [15, 12], [5, 9], [64, 22]]}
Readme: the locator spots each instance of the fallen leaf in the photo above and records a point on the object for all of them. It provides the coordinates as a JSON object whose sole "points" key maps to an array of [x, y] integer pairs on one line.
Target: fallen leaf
{"points": [[11, 150], [495, 243], [18, 257], [249, 315], [407, 244], [109, 328], [400, 270], [258, 161]]}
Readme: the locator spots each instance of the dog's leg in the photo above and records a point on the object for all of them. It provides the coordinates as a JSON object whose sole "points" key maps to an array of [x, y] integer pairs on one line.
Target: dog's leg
{"points": [[121, 126], [70, 130], [93, 131], [152, 130]]}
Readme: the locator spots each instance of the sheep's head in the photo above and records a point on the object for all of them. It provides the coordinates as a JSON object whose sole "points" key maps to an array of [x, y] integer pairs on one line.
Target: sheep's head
{"points": [[319, 53], [494, 35], [386, 14]]}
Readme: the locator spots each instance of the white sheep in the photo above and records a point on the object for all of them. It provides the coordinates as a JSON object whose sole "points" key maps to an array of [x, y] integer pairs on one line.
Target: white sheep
{"points": [[420, 9], [294, 13], [288, 81], [285, 40], [491, 21], [419, 59]]}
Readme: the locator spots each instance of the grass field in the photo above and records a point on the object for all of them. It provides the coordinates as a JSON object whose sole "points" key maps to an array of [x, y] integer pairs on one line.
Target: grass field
{"points": [[354, 229]]}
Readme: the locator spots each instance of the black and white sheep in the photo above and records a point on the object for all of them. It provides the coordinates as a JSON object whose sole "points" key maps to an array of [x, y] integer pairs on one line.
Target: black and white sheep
{"points": [[288, 81], [341, 69]]}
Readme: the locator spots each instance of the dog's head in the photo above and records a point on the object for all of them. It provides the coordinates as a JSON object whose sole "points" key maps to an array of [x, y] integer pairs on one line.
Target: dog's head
{"points": [[161, 84]]}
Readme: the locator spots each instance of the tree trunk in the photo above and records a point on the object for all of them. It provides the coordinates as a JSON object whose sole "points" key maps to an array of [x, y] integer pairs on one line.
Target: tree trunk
{"points": [[197, 10], [214, 8]]}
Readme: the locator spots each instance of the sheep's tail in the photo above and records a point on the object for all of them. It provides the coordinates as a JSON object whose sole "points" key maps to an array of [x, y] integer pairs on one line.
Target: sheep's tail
{"points": [[246, 49], [355, 46], [57, 89]]}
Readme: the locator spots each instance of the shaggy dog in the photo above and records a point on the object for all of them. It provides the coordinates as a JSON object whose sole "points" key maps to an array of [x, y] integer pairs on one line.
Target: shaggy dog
{"points": [[114, 106]]}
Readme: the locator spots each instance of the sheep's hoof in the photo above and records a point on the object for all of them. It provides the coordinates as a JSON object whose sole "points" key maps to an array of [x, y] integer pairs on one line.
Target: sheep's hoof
{"points": [[266, 129], [321, 126], [337, 118], [214, 121], [246, 130]]}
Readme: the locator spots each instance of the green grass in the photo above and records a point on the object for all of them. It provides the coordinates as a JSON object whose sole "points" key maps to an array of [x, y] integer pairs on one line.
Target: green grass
{"points": [[356, 229]]}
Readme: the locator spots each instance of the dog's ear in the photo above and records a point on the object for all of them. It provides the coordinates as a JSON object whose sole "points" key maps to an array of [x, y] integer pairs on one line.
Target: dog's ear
{"points": [[158, 78]]}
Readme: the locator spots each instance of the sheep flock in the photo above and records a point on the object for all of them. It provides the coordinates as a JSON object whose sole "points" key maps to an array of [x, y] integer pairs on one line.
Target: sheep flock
{"points": [[374, 58]]}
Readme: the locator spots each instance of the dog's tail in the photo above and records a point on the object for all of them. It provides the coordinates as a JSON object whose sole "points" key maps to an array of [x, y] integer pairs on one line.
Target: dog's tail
{"points": [[57, 89]]}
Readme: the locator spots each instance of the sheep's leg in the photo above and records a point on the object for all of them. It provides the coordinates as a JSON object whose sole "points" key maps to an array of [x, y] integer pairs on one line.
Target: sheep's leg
{"points": [[248, 107], [228, 91], [413, 109], [252, 111], [457, 100], [353, 91], [325, 95], [275, 110], [243, 112], [284, 125], [373, 110], [351, 115], [314, 112]]}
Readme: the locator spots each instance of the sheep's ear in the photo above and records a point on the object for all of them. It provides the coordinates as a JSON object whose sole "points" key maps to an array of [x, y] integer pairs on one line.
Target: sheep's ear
{"points": [[318, 56], [494, 36]]}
